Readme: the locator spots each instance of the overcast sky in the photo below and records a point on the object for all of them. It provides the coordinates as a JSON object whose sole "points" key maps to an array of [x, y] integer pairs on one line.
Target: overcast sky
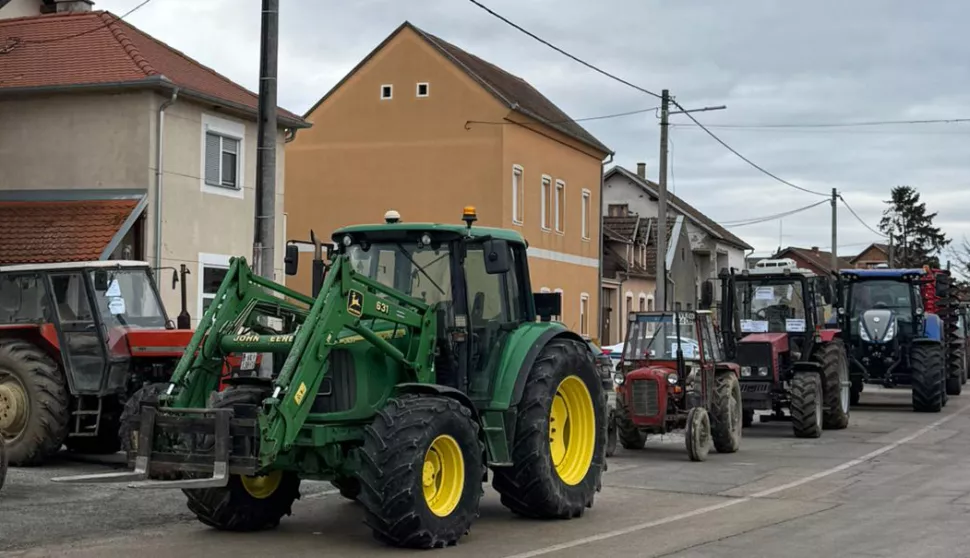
{"points": [[770, 62]]}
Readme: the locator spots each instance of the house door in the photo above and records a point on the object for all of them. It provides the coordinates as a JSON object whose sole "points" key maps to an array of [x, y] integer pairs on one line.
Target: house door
{"points": [[83, 349]]}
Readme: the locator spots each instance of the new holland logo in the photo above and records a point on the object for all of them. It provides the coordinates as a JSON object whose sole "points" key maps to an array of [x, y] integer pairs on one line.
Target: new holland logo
{"points": [[355, 303]]}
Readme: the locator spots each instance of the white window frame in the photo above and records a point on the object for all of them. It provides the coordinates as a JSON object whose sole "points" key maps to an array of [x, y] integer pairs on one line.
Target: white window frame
{"points": [[212, 261], [587, 199], [390, 90], [584, 314], [232, 129], [518, 194], [642, 298], [650, 305], [557, 199], [427, 89], [544, 213]]}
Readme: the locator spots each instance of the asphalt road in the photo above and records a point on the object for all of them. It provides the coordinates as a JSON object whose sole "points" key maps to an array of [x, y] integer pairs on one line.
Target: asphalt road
{"points": [[895, 483]]}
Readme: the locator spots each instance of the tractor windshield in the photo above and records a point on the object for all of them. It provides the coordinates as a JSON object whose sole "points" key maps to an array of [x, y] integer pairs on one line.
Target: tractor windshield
{"points": [[127, 298], [885, 294], [771, 305], [654, 337], [422, 272]]}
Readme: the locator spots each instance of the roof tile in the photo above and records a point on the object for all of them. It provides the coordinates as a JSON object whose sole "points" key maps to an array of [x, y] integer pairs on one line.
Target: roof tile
{"points": [[59, 231]]}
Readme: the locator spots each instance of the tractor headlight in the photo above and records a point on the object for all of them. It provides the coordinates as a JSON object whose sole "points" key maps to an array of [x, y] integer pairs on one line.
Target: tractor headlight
{"points": [[863, 333], [890, 331], [618, 378], [762, 370], [426, 239], [746, 371], [672, 379], [347, 240]]}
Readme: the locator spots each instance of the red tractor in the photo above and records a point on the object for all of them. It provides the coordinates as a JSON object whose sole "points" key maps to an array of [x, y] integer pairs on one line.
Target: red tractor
{"points": [[773, 324], [76, 340], [672, 375]]}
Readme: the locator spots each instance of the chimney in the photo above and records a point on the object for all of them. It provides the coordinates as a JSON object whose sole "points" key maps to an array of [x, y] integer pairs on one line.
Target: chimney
{"points": [[73, 5], [815, 249], [642, 170]]}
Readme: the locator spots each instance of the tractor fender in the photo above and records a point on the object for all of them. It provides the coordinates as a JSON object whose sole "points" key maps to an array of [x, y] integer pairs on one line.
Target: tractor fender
{"points": [[932, 327], [438, 389], [731, 367], [806, 366]]}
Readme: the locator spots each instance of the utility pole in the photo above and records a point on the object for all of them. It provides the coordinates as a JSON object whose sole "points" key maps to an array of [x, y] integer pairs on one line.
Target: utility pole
{"points": [[665, 113], [835, 232], [662, 204], [264, 245]]}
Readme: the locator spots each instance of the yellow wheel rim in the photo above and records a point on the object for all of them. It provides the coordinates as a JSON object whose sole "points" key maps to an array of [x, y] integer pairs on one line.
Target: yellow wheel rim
{"points": [[572, 430], [443, 476], [263, 486]]}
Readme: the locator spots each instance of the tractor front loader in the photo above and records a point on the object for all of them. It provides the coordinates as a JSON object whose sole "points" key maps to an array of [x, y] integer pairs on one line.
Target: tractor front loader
{"points": [[419, 365]]}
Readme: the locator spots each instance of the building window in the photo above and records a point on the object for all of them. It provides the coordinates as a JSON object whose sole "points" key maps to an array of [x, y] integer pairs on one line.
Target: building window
{"points": [[212, 271], [583, 314], [387, 91], [643, 302], [518, 195], [560, 206], [629, 303], [422, 90], [650, 304], [221, 161], [618, 209], [546, 195], [585, 217]]}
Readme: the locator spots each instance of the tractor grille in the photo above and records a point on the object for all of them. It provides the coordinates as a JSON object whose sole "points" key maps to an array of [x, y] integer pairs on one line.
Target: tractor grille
{"points": [[338, 390], [756, 388], [645, 398], [754, 354]]}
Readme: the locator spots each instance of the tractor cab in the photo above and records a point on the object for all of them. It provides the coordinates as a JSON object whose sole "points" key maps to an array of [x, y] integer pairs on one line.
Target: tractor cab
{"points": [[671, 373]]}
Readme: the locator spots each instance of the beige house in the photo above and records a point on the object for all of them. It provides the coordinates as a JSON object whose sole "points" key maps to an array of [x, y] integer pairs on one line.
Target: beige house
{"points": [[114, 145], [423, 127]]}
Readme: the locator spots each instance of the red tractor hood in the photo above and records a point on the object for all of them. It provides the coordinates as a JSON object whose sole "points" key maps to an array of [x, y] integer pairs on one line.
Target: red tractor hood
{"points": [[158, 342], [652, 371], [778, 341]]}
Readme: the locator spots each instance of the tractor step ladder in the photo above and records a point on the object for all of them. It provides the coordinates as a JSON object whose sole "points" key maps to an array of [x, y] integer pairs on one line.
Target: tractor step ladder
{"points": [[139, 477]]}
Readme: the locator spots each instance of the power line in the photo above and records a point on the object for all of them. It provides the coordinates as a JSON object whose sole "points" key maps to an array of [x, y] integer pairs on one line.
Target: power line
{"points": [[856, 215], [847, 124], [641, 89], [843, 131], [603, 117], [766, 218], [561, 51]]}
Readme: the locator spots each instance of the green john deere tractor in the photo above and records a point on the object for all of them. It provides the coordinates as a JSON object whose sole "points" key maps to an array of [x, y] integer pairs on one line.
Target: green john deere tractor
{"points": [[423, 361]]}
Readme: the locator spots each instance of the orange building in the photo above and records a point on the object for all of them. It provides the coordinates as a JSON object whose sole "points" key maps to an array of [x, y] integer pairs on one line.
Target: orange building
{"points": [[425, 128]]}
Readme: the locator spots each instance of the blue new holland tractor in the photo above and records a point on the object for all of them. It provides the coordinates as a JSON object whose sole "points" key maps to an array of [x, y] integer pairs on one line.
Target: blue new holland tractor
{"points": [[896, 323]]}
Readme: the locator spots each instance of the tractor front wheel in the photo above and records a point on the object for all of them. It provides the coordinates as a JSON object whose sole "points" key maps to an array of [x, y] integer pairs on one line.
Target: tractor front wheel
{"points": [[631, 437], [726, 413], [421, 472], [806, 405], [926, 373], [246, 503], [557, 453], [34, 403]]}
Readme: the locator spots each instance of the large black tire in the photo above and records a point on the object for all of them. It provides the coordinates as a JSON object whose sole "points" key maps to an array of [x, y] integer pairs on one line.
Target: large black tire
{"points": [[147, 394], [806, 405], [42, 432], [239, 506], [855, 393], [926, 373], [631, 437], [954, 379], [836, 387], [726, 413], [533, 487], [697, 434], [399, 447]]}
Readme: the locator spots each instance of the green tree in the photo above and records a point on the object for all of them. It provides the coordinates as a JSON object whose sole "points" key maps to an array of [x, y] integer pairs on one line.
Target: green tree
{"points": [[916, 242]]}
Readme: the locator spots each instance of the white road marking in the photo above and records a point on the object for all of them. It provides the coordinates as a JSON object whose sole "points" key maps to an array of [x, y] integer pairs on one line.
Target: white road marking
{"points": [[319, 494], [729, 503], [623, 468]]}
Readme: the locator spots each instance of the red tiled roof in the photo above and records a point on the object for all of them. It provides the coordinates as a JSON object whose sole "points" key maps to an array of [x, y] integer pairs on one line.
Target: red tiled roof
{"points": [[96, 48], [59, 231]]}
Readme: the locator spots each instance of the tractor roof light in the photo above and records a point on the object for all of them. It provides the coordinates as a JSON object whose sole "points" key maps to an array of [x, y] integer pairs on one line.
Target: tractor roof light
{"points": [[469, 216], [392, 216]]}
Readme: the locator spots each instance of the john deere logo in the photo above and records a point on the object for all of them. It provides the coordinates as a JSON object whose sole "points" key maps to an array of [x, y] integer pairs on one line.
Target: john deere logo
{"points": [[355, 303]]}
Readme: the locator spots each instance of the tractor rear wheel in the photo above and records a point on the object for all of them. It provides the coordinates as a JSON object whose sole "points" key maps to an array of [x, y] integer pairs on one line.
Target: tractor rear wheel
{"points": [[245, 503], [34, 403], [837, 387], [806, 405], [557, 453], [955, 380], [726, 413], [631, 437], [926, 375], [421, 472]]}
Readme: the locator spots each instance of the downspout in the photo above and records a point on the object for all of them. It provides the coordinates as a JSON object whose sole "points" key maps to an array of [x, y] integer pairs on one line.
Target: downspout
{"points": [[159, 152], [599, 277]]}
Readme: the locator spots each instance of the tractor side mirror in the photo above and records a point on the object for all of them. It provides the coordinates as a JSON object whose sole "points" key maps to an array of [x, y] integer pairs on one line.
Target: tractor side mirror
{"points": [[291, 259], [497, 256], [707, 295], [547, 305], [101, 280]]}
